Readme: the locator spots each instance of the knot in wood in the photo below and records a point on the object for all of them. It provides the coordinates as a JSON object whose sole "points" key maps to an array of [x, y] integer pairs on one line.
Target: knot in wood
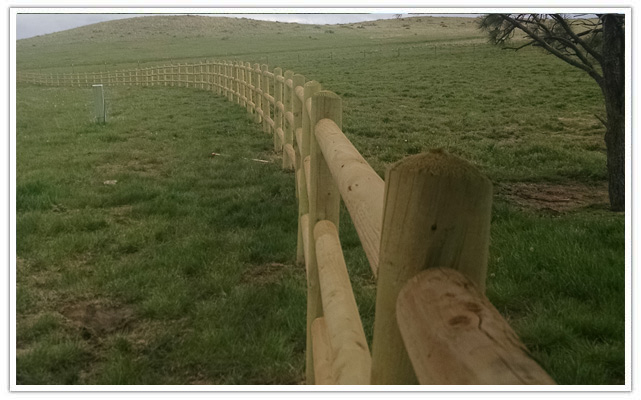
{"points": [[459, 320]]}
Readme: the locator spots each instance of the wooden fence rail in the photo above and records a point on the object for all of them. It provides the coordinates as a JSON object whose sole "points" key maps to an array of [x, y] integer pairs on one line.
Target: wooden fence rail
{"points": [[424, 229]]}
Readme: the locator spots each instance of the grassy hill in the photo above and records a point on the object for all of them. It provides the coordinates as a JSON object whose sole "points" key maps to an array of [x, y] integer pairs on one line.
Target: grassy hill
{"points": [[191, 257], [181, 38]]}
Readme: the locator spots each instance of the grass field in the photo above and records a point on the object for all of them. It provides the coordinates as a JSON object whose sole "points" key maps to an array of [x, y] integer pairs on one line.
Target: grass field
{"points": [[182, 272]]}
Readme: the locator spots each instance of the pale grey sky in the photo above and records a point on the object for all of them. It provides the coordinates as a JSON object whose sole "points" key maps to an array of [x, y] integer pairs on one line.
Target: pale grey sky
{"points": [[29, 25]]}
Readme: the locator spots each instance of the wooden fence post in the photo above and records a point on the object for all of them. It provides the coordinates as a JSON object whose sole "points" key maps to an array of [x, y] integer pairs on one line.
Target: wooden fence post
{"points": [[324, 204], [436, 214], [258, 93], [239, 83], [278, 112], [302, 154], [297, 113], [221, 78], [216, 77], [242, 84], [287, 102], [207, 76], [229, 82], [232, 83], [218, 80], [226, 81], [249, 91], [264, 80]]}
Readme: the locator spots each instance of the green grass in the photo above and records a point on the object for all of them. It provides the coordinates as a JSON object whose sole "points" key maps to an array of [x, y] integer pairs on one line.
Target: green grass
{"points": [[187, 261], [193, 252], [561, 286]]}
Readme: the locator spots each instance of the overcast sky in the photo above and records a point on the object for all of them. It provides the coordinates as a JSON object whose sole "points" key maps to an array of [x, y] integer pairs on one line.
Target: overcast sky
{"points": [[28, 25]]}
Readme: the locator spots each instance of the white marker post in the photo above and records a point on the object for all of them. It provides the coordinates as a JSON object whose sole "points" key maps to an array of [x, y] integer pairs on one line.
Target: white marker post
{"points": [[99, 104]]}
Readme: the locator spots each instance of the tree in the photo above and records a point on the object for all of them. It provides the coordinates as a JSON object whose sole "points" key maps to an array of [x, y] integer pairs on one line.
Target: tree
{"points": [[595, 45]]}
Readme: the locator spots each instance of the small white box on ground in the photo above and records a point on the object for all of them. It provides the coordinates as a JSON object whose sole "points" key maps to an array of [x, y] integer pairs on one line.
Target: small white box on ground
{"points": [[99, 104]]}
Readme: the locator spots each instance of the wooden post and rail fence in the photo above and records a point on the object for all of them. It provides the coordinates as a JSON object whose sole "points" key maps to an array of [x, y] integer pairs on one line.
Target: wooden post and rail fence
{"points": [[424, 229]]}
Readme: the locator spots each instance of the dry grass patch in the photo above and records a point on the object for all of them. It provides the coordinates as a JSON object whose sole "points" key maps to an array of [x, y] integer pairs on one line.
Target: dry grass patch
{"points": [[556, 198], [97, 318], [267, 273]]}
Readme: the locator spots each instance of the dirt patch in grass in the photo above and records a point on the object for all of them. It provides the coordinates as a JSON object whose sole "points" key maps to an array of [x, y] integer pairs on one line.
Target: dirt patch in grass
{"points": [[135, 166], [120, 214], [200, 379], [97, 319], [266, 273], [556, 198]]}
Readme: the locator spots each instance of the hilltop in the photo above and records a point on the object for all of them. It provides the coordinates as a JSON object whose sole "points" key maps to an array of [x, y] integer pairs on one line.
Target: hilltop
{"points": [[153, 39]]}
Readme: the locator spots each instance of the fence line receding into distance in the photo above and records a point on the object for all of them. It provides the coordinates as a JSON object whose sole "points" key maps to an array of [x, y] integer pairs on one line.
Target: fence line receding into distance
{"points": [[424, 230]]}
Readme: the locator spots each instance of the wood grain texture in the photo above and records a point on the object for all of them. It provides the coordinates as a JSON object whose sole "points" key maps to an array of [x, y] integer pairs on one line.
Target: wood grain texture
{"points": [[302, 136], [360, 186], [258, 89], [437, 214], [306, 164], [455, 336], [304, 223], [297, 113], [324, 204], [249, 94], [289, 152], [351, 361], [264, 79], [322, 353], [278, 116]]}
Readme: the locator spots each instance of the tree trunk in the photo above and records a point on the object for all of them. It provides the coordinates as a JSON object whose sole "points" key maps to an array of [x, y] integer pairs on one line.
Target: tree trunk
{"points": [[613, 88]]}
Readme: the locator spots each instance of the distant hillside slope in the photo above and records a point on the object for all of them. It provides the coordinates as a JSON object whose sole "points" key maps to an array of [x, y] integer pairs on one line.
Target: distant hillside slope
{"points": [[163, 38]]}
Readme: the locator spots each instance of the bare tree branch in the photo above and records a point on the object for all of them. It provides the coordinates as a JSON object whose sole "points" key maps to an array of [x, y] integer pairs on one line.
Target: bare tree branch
{"points": [[577, 39], [589, 31], [589, 69], [520, 47], [577, 51]]}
